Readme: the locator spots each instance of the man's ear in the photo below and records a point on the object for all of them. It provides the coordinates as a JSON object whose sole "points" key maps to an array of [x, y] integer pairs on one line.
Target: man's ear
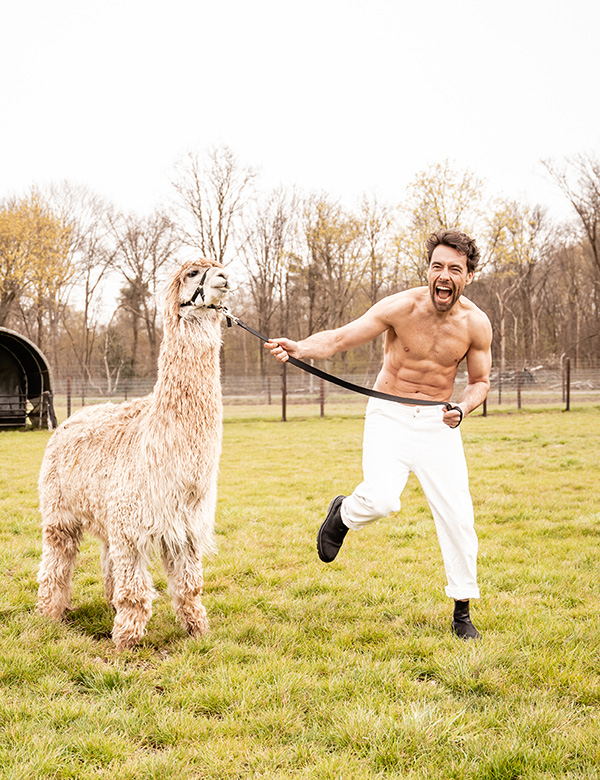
{"points": [[470, 276]]}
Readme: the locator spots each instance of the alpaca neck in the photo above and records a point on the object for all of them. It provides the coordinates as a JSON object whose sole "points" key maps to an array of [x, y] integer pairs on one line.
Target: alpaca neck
{"points": [[188, 386]]}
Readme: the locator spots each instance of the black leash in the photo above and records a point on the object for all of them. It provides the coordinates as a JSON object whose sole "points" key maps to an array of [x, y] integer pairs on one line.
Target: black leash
{"points": [[337, 380]]}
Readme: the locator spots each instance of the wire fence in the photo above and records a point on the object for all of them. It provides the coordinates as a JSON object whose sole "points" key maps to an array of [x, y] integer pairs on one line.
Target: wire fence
{"points": [[521, 389]]}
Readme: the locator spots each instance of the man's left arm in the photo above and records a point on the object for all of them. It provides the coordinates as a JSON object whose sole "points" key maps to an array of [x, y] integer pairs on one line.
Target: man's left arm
{"points": [[479, 364]]}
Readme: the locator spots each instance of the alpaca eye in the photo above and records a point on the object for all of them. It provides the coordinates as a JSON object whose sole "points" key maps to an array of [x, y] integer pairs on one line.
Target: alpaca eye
{"points": [[192, 274]]}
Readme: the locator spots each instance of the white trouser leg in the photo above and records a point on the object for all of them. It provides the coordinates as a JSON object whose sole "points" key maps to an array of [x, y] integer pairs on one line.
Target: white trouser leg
{"points": [[441, 468], [400, 439], [386, 465]]}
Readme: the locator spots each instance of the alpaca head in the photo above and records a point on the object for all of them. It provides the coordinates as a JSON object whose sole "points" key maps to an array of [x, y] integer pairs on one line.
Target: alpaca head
{"points": [[184, 300]]}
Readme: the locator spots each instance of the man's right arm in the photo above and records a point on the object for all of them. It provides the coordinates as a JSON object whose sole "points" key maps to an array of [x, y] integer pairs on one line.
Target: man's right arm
{"points": [[479, 363], [326, 343]]}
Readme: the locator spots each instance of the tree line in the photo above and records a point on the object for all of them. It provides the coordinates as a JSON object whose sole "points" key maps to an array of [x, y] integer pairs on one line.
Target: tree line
{"points": [[83, 280]]}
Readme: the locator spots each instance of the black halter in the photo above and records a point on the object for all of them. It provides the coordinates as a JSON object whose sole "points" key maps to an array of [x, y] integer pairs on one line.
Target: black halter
{"points": [[198, 292]]}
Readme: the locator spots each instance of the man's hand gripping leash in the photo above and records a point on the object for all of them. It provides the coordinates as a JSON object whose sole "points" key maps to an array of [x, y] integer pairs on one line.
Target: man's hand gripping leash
{"points": [[281, 354], [453, 408]]}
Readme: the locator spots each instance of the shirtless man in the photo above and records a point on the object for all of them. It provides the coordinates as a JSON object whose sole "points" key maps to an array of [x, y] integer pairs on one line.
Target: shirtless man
{"points": [[428, 331]]}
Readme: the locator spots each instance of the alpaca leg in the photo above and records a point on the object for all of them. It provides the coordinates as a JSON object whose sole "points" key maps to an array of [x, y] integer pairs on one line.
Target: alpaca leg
{"points": [[107, 572], [131, 597], [184, 573], [60, 543]]}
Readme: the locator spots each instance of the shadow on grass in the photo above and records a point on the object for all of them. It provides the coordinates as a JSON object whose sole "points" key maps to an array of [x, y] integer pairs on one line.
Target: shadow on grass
{"points": [[95, 620]]}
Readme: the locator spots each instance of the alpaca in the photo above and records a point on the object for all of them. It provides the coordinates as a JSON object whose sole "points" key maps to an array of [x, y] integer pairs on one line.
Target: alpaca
{"points": [[143, 474]]}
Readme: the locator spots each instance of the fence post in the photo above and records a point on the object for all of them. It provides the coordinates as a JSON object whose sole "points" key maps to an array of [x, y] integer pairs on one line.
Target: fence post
{"points": [[68, 396], [322, 396], [518, 388], [485, 407], [568, 383], [283, 392]]}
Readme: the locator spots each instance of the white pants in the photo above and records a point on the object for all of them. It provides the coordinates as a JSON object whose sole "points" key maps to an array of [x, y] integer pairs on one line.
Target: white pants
{"points": [[399, 439]]}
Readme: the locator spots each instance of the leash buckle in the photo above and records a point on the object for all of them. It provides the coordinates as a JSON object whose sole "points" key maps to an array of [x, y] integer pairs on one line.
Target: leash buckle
{"points": [[229, 318]]}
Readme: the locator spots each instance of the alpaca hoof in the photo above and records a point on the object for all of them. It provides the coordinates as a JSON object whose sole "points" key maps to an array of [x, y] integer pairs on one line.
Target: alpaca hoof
{"points": [[124, 643], [198, 628], [52, 611], [125, 640], [126, 633]]}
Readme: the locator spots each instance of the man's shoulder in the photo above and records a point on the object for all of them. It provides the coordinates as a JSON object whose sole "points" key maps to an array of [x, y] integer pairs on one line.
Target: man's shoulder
{"points": [[473, 310], [405, 299], [398, 307], [478, 322]]}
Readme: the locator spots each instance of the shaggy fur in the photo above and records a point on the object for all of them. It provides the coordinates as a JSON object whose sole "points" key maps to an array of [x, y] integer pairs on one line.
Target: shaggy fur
{"points": [[142, 475]]}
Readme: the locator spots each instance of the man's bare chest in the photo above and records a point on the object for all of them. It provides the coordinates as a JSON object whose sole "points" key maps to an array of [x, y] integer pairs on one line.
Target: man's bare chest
{"points": [[442, 346]]}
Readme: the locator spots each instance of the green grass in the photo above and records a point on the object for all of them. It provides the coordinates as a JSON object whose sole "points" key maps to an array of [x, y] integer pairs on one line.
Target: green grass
{"points": [[313, 671]]}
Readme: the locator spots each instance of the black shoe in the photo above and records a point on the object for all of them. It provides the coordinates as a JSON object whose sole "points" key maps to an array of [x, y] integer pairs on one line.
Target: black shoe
{"points": [[332, 532], [461, 625]]}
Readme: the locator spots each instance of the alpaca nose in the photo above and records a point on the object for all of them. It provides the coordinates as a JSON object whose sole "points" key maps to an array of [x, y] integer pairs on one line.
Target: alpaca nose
{"points": [[221, 281]]}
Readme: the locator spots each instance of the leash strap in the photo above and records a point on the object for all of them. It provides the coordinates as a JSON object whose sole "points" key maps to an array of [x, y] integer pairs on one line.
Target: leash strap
{"points": [[342, 382]]}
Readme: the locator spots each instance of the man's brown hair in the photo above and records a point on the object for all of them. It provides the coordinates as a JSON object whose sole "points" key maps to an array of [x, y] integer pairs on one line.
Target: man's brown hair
{"points": [[455, 240]]}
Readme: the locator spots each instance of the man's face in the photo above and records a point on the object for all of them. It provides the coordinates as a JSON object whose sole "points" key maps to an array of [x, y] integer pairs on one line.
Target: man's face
{"points": [[447, 277]]}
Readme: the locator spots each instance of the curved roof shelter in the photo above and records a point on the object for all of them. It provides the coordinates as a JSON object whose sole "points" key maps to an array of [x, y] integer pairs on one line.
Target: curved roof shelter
{"points": [[25, 383]]}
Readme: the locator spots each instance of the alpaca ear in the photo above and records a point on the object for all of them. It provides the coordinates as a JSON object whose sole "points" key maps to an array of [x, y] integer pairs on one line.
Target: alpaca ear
{"points": [[163, 291], [170, 296]]}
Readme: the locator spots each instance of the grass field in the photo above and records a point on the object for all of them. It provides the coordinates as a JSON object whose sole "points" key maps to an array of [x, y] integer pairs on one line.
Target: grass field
{"points": [[313, 671]]}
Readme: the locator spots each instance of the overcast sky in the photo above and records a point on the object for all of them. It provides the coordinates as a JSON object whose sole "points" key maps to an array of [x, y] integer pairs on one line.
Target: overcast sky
{"points": [[342, 96]]}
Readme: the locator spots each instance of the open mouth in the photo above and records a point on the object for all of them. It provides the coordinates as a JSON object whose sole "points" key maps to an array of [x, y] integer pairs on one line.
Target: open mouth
{"points": [[443, 293]]}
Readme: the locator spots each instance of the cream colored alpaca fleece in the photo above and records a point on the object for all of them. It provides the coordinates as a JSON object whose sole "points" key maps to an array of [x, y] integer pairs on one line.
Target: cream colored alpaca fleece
{"points": [[143, 474]]}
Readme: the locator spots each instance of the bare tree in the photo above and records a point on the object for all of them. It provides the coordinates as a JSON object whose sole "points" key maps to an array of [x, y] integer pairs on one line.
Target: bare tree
{"points": [[93, 252], [264, 254], [579, 180], [144, 248], [36, 254], [13, 255], [439, 197], [517, 241], [336, 263], [568, 309], [376, 223], [210, 200]]}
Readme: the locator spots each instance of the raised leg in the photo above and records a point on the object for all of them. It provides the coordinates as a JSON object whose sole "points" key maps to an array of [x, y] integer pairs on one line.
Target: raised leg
{"points": [[184, 574]]}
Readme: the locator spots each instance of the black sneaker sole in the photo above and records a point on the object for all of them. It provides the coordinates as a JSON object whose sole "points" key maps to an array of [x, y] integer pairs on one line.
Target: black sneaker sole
{"points": [[466, 637], [332, 507]]}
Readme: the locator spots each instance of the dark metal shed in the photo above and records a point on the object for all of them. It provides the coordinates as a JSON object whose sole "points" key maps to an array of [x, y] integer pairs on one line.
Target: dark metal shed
{"points": [[25, 383]]}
